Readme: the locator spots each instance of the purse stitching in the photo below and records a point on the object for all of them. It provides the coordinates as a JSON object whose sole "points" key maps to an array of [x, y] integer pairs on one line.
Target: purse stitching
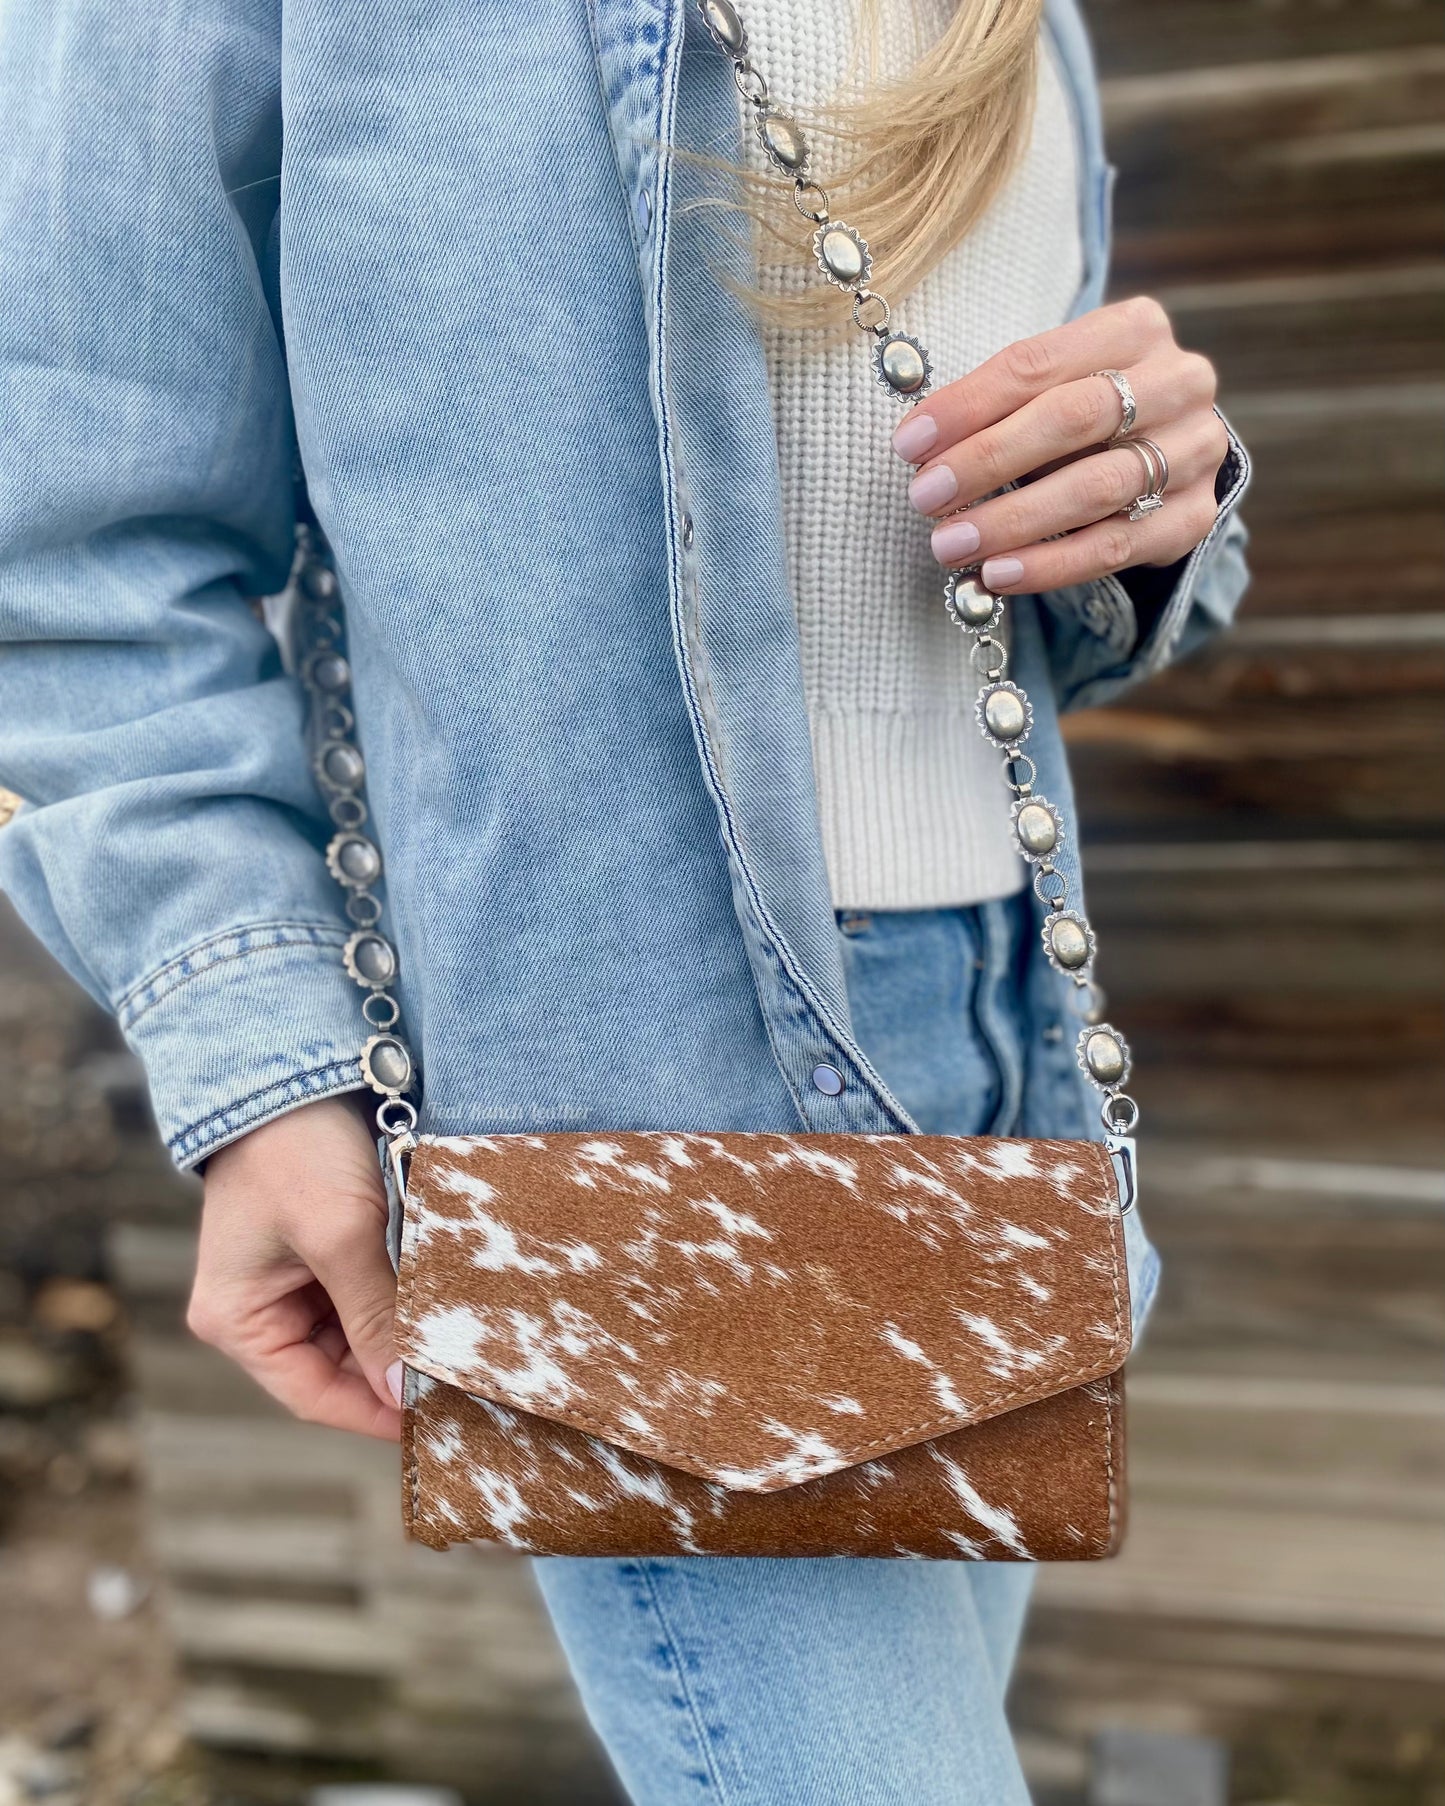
{"points": [[1111, 1479], [1116, 1243], [413, 1466], [411, 1461]]}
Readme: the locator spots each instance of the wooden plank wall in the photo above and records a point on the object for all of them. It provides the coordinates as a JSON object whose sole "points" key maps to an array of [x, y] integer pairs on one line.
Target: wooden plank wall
{"points": [[1264, 838]]}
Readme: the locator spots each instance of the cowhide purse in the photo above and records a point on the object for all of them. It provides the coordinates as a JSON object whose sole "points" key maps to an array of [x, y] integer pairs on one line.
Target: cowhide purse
{"points": [[654, 1344], [753, 1344]]}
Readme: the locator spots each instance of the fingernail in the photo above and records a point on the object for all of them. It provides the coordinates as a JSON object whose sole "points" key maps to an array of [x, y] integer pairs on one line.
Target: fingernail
{"points": [[998, 573], [394, 1375], [913, 438], [954, 541], [930, 490]]}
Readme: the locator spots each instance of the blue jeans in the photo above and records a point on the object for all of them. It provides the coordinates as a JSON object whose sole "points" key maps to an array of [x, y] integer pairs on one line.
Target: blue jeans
{"points": [[833, 1683]]}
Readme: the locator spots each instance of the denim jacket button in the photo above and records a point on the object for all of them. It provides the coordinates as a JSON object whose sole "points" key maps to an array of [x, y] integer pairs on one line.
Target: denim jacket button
{"points": [[828, 1080]]}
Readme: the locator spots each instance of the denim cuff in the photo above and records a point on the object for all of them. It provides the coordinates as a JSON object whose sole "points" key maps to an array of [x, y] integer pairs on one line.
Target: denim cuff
{"points": [[243, 1027]]}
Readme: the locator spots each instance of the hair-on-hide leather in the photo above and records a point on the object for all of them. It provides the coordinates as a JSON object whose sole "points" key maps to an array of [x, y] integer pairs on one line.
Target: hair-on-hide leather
{"points": [[651, 1343]]}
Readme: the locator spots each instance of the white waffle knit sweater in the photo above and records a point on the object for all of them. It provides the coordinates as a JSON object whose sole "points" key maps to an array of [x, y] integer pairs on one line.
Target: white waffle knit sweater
{"points": [[912, 801]]}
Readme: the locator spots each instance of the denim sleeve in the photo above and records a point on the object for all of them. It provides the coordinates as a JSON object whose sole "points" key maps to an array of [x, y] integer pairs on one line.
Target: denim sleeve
{"points": [[1095, 647], [168, 846]]}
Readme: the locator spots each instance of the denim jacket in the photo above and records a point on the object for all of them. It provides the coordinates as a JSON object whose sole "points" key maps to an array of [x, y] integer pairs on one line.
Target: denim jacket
{"points": [[442, 254]]}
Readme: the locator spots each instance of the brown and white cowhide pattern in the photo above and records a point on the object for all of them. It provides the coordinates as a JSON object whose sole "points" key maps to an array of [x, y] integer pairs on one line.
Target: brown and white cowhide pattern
{"points": [[764, 1344]]}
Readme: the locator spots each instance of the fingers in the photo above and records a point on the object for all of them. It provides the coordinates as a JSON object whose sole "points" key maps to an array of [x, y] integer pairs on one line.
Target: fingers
{"points": [[317, 1389], [1114, 337], [1038, 415], [305, 1368], [1065, 421], [1075, 495], [357, 1277], [292, 1280], [1106, 546]]}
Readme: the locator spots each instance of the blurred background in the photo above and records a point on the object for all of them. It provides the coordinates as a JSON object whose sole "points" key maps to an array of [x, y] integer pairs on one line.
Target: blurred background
{"points": [[204, 1604]]}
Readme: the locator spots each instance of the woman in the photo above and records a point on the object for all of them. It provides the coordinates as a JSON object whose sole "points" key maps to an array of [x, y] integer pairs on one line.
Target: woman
{"points": [[686, 820]]}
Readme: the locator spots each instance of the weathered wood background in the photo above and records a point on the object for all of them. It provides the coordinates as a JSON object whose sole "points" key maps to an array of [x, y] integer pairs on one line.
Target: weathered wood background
{"points": [[1266, 859]]}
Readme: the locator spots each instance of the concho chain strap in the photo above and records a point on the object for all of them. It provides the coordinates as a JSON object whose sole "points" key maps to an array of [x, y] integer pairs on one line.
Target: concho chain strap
{"points": [[1004, 714]]}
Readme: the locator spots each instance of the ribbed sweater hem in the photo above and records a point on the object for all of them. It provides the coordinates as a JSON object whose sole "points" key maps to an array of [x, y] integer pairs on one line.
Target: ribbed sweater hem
{"points": [[914, 814]]}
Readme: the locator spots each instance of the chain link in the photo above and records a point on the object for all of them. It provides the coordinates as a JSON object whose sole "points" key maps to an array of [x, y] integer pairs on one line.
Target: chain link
{"points": [[1004, 716], [1004, 713], [353, 858], [752, 84], [866, 297], [818, 210]]}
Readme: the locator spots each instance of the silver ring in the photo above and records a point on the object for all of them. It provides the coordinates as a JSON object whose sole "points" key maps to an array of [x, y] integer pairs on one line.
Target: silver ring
{"points": [[1126, 401], [1159, 458], [1156, 478]]}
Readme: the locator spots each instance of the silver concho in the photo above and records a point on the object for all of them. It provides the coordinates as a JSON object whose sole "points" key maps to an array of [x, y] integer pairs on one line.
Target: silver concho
{"points": [[370, 958], [1069, 943], [902, 365], [1104, 1055], [723, 21], [340, 766], [969, 604], [1038, 828], [386, 1063], [327, 672], [319, 583], [353, 860], [782, 139], [1005, 715], [843, 255]]}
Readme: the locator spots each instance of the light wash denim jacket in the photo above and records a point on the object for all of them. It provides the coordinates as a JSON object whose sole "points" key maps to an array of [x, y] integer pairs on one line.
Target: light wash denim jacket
{"points": [[536, 429]]}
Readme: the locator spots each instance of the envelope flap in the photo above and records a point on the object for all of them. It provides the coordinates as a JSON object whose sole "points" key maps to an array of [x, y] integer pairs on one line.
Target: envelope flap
{"points": [[761, 1310]]}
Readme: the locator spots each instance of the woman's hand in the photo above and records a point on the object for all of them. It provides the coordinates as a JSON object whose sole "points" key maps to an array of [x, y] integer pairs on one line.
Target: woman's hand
{"points": [[1035, 414], [293, 1280]]}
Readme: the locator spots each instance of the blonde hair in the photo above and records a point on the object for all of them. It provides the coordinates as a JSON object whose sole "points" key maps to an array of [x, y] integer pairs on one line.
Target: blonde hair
{"points": [[912, 163]]}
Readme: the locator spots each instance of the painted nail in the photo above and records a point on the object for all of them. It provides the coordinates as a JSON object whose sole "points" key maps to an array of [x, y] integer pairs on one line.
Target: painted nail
{"points": [[998, 573], [954, 541], [393, 1381], [913, 438], [932, 489]]}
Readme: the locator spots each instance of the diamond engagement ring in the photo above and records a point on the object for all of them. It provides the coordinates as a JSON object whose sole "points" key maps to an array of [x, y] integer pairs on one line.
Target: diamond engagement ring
{"points": [[1126, 401]]}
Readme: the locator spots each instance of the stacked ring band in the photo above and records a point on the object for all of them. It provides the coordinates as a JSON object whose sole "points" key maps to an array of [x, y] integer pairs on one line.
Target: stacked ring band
{"points": [[1156, 478], [1124, 390]]}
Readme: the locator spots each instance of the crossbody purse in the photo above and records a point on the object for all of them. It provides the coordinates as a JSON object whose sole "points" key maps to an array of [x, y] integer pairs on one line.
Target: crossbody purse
{"points": [[649, 1343]]}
